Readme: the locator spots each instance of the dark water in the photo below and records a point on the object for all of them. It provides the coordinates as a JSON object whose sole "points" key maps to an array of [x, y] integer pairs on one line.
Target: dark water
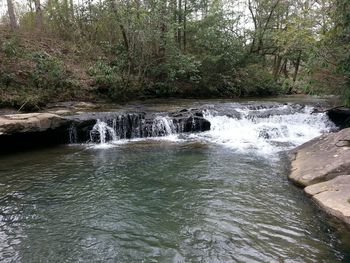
{"points": [[159, 202]]}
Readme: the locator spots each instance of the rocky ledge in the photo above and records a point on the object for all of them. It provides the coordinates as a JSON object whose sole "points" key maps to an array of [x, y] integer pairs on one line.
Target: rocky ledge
{"points": [[322, 167], [18, 131], [30, 122]]}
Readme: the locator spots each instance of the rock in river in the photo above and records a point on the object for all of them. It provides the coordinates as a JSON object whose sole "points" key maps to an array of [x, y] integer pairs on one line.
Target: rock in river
{"points": [[322, 166], [333, 196], [321, 159]]}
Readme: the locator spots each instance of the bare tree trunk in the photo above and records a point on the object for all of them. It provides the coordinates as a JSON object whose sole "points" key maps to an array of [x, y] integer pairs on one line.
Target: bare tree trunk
{"points": [[255, 26], [30, 6], [39, 15], [179, 23], [71, 7], [283, 68], [297, 64], [277, 65], [184, 26], [12, 16], [163, 30], [125, 37]]}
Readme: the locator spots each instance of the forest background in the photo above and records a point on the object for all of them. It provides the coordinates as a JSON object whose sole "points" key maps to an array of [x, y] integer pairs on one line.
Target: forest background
{"points": [[120, 50]]}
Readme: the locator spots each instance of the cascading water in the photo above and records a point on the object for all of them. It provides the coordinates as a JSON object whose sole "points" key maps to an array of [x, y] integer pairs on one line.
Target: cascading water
{"points": [[265, 130], [162, 126], [73, 134], [102, 133]]}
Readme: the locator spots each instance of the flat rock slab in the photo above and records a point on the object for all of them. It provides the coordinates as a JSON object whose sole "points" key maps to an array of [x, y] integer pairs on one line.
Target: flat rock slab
{"points": [[30, 122], [321, 159], [333, 196]]}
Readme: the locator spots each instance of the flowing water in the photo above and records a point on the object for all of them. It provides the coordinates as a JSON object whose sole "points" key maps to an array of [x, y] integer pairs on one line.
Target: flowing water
{"points": [[216, 196]]}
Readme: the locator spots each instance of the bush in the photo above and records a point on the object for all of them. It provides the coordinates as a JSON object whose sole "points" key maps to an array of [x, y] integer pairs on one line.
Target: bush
{"points": [[254, 80], [11, 48], [108, 80], [50, 73], [176, 72]]}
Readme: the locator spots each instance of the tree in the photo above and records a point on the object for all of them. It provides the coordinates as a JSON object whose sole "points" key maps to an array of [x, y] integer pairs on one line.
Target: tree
{"points": [[12, 15], [38, 15]]}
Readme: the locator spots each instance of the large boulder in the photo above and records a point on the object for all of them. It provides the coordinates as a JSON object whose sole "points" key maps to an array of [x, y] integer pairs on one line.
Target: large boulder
{"points": [[322, 166], [321, 159], [333, 196], [30, 122]]}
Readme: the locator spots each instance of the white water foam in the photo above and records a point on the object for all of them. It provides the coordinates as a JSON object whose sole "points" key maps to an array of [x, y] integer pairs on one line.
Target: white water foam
{"points": [[102, 130], [265, 135], [264, 131], [162, 126]]}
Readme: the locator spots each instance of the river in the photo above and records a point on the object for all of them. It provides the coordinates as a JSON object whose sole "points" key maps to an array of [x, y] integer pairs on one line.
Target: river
{"points": [[216, 196]]}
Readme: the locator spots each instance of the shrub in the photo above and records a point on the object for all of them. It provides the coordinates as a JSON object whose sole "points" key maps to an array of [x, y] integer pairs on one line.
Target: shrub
{"points": [[50, 73], [11, 48], [108, 80], [172, 75], [257, 81]]}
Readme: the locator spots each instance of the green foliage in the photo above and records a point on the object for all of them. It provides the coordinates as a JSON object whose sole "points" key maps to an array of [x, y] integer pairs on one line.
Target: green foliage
{"points": [[177, 70], [6, 78], [188, 48], [10, 47], [108, 79], [27, 20], [257, 81], [50, 73]]}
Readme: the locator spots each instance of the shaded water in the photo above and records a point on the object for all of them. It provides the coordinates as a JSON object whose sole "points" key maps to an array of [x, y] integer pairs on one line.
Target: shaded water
{"points": [[192, 199]]}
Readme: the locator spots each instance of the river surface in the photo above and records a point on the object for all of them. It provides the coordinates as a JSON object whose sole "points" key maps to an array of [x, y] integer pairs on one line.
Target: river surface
{"points": [[216, 196]]}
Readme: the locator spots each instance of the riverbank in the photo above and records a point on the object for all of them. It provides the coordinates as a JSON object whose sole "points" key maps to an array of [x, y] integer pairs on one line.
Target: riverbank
{"points": [[322, 167]]}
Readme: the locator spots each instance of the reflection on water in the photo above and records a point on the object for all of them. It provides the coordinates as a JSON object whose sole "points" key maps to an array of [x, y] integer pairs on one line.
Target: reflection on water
{"points": [[158, 201]]}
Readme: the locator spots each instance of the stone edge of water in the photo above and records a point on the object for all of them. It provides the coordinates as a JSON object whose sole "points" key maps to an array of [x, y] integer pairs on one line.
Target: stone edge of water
{"points": [[322, 168]]}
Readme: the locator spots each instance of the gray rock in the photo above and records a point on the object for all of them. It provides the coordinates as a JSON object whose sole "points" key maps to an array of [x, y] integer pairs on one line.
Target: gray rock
{"points": [[321, 159], [30, 122], [333, 196]]}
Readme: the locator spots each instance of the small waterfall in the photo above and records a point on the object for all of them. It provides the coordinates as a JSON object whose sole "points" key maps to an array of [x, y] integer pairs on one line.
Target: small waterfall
{"points": [[102, 133], [262, 128], [266, 130], [73, 134], [162, 126]]}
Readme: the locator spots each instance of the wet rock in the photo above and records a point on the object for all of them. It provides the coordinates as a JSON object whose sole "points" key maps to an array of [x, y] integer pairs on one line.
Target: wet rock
{"points": [[333, 196], [37, 127], [139, 125], [266, 112], [323, 165], [340, 116], [234, 114], [321, 159], [190, 121]]}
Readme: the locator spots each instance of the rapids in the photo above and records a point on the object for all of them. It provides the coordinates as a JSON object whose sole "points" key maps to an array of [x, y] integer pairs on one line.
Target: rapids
{"points": [[264, 128]]}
